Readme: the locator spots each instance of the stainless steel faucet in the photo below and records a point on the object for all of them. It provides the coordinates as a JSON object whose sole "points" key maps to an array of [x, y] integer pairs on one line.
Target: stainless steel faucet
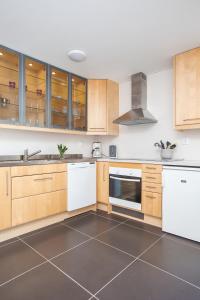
{"points": [[26, 156]]}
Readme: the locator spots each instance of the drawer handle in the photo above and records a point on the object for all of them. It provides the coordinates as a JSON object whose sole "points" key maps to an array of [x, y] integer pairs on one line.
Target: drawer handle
{"points": [[45, 178], [150, 187], [149, 177], [191, 119], [151, 168], [97, 128], [150, 197]]}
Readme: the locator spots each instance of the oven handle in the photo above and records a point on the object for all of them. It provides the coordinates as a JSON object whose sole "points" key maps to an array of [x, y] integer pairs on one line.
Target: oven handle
{"points": [[124, 179]]}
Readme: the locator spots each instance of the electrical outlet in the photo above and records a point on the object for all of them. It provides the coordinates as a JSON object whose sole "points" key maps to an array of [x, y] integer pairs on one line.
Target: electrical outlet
{"points": [[185, 141]]}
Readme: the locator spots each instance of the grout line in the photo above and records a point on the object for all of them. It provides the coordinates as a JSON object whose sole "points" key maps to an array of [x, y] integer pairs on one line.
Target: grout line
{"points": [[83, 233], [47, 260], [9, 243], [66, 251], [39, 231], [106, 218], [171, 274], [128, 265], [109, 229], [182, 242], [141, 229], [21, 274], [78, 216], [115, 248]]}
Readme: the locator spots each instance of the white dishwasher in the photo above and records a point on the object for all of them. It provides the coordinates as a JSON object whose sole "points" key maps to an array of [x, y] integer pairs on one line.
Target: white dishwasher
{"points": [[81, 185], [181, 201]]}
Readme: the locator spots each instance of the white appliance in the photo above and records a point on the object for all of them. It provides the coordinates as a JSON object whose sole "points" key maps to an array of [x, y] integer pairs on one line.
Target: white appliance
{"points": [[181, 202], [81, 185], [96, 150], [125, 187]]}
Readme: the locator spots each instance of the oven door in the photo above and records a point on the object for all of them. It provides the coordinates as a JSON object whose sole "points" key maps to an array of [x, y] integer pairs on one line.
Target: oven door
{"points": [[125, 191]]}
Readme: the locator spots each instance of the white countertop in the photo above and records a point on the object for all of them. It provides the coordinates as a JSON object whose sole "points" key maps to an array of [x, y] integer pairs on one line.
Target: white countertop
{"points": [[175, 162]]}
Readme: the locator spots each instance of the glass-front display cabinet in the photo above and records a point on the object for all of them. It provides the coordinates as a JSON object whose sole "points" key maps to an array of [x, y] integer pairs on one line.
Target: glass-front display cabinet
{"points": [[9, 86], [59, 98], [35, 93], [79, 103]]}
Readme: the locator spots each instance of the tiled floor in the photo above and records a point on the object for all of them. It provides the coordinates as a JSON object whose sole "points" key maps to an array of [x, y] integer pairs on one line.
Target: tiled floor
{"points": [[99, 256]]}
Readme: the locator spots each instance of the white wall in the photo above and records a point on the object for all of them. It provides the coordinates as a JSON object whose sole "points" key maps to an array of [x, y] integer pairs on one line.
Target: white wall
{"points": [[137, 141], [14, 142]]}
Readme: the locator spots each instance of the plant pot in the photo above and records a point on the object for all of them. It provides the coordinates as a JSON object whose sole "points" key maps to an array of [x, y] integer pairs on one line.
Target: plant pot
{"points": [[166, 154]]}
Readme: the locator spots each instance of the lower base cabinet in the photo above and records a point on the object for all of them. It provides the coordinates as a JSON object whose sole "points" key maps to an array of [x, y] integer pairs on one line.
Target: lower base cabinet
{"points": [[151, 203], [5, 198], [39, 206], [103, 182]]}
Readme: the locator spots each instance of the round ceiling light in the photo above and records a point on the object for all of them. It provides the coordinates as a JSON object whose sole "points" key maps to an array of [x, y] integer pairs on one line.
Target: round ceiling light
{"points": [[77, 55]]}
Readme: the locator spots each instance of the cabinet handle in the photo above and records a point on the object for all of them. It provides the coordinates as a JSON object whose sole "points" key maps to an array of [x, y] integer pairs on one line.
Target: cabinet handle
{"points": [[191, 119], [149, 177], [150, 168], [104, 179], [150, 197], [46, 178], [7, 191], [150, 187], [97, 128]]}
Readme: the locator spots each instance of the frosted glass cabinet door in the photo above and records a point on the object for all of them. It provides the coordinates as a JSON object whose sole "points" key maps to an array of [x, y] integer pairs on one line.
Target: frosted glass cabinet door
{"points": [[59, 98], [35, 93], [79, 103], [9, 86]]}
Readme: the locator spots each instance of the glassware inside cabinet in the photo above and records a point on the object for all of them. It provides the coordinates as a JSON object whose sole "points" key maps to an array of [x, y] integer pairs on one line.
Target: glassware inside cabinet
{"points": [[59, 98], [79, 102], [9, 86], [35, 90]]}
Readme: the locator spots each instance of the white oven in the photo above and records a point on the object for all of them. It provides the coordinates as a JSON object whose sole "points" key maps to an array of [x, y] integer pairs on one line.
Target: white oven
{"points": [[125, 187]]}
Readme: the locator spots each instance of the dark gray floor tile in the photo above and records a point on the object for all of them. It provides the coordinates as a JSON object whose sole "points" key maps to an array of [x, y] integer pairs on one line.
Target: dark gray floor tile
{"points": [[39, 230], [182, 240], [15, 259], [114, 217], [146, 227], [55, 240], [92, 224], [176, 258], [8, 242], [93, 264], [143, 282], [77, 217], [43, 283], [129, 239]]}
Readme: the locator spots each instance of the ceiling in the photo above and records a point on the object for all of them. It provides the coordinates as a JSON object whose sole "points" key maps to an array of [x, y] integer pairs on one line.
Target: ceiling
{"points": [[120, 37]]}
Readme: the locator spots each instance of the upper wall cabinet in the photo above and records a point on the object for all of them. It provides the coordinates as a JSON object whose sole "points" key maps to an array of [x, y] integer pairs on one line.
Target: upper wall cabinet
{"points": [[59, 98], [79, 103], [35, 93], [9, 86], [103, 106], [187, 89]]}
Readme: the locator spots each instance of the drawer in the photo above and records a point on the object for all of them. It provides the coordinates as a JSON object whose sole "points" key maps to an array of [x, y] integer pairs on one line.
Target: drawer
{"points": [[151, 168], [37, 169], [36, 207], [38, 184], [152, 204], [151, 177], [152, 187]]}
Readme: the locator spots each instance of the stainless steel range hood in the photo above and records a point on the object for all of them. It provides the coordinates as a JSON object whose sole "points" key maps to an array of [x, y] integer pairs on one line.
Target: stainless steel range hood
{"points": [[139, 113]]}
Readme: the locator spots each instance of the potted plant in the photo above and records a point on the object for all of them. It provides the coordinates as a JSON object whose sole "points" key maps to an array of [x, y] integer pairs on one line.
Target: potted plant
{"points": [[166, 149], [62, 149]]}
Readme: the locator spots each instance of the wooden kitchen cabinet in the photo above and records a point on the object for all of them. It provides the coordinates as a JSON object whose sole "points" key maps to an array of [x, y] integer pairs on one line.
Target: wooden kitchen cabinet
{"points": [[187, 89], [103, 106], [38, 191], [5, 198], [103, 182], [152, 190]]}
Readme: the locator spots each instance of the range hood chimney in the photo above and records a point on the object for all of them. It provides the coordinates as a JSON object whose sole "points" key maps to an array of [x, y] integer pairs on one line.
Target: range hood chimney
{"points": [[139, 113]]}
